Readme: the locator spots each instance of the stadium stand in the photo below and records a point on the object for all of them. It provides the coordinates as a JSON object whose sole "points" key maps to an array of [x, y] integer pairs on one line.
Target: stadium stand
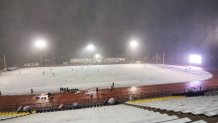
{"points": [[200, 109], [182, 120], [194, 105], [107, 114], [199, 121], [154, 99]]}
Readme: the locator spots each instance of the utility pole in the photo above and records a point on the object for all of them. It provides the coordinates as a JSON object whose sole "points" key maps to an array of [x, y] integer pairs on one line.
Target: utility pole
{"points": [[163, 57], [41, 59], [5, 65], [156, 58], [133, 59]]}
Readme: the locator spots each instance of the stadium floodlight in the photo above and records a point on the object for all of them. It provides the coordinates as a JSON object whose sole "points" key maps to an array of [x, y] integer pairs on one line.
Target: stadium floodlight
{"points": [[194, 84], [40, 44], [133, 44], [90, 47], [195, 59]]}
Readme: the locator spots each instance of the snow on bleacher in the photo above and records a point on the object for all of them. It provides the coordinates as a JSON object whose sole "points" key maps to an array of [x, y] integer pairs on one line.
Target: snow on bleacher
{"points": [[207, 105], [199, 121], [107, 114], [4, 117]]}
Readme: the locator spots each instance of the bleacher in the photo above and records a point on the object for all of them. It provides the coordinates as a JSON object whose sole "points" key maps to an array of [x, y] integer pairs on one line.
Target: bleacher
{"points": [[201, 109], [10, 115], [207, 105], [107, 114]]}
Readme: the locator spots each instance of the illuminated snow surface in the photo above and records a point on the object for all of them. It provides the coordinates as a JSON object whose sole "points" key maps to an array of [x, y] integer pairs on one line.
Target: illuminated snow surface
{"points": [[106, 114], [87, 77]]}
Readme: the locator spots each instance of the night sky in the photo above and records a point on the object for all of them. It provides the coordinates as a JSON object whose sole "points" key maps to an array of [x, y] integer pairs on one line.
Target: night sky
{"points": [[176, 27]]}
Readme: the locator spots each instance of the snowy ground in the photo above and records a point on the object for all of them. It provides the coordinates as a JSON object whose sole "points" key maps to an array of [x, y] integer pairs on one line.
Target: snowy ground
{"points": [[50, 79]]}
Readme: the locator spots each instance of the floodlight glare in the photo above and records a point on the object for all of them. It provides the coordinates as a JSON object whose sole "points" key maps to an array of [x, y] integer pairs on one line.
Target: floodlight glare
{"points": [[40, 43], [133, 89], [90, 47], [133, 44], [195, 59], [97, 56]]}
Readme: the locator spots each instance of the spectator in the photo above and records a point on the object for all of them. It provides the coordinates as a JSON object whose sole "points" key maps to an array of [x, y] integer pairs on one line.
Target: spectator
{"points": [[43, 73], [31, 90], [49, 94]]}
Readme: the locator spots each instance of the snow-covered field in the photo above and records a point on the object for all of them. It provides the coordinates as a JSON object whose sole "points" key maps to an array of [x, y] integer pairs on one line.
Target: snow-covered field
{"points": [[50, 79]]}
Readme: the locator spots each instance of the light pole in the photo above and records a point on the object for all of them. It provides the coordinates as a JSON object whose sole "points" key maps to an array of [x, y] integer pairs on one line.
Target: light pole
{"points": [[163, 57], [156, 58], [5, 65], [40, 44], [133, 46], [90, 48]]}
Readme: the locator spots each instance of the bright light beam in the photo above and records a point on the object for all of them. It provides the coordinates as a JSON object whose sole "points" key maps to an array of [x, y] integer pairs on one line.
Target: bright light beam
{"points": [[133, 89], [195, 59], [90, 47], [133, 44], [40, 44]]}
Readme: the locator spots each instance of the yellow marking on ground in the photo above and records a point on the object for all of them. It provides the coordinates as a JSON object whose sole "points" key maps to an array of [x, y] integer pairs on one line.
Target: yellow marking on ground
{"points": [[154, 99]]}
